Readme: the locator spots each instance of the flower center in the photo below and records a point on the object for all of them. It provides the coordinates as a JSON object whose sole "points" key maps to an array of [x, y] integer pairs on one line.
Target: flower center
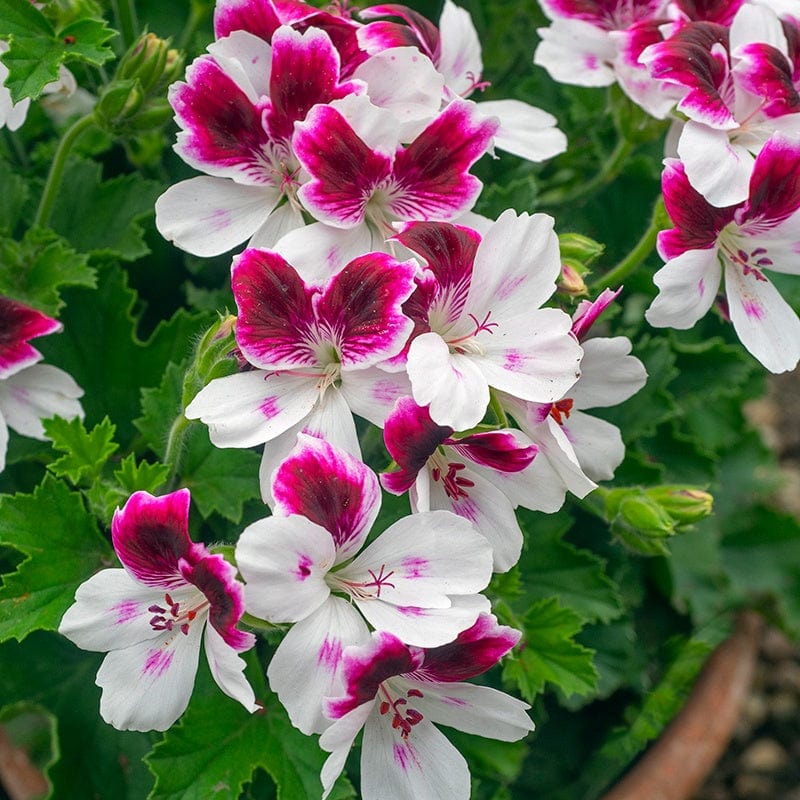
{"points": [[468, 344], [751, 262], [446, 473], [171, 616], [362, 590], [404, 718]]}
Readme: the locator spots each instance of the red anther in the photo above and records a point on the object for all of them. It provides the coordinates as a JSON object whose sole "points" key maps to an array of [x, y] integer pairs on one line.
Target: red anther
{"points": [[414, 693], [385, 707], [185, 629], [436, 473], [170, 601], [561, 407], [191, 615], [157, 609], [413, 716]]}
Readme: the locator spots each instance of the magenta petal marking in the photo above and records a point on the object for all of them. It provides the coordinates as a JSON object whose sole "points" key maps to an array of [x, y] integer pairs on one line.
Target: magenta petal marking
{"points": [[151, 536], [415, 567], [18, 323], [361, 308], [431, 173], [474, 651], [774, 184], [328, 487], [158, 662], [697, 222], [720, 11], [418, 32], [587, 312], [606, 14], [495, 449], [411, 436], [766, 72], [344, 170], [305, 71], [258, 17], [275, 310], [222, 127], [125, 611], [330, 653]]}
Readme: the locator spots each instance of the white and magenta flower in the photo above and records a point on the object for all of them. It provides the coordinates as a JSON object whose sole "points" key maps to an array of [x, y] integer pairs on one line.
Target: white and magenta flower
{"points": [[478, 321], [576, 449], [398, 694], [314, 349], [237, 111], [742, 242], [737, 89], [458, 474], [29, 391], [150, 617], [419, 579]]}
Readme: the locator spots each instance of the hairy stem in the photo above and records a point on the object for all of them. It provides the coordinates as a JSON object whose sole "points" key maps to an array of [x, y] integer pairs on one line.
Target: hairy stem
{"points": [[173, 454]]}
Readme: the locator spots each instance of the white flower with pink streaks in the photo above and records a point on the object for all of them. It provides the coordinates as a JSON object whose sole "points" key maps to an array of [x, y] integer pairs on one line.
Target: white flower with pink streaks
{"points": [[29, 391], [742, 241], [419, 579], [738, 88], [315, 349], [478, 321], [237, 111], [458, 474], [576, 449], [398, 694], [455, 52], [150, 617]]}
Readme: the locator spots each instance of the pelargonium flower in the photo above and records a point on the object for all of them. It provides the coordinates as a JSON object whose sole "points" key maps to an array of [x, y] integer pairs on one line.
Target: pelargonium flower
{"points": [[398, 693], [237, 111], [741, 241], [315, 349], [738, 89], [458, 474], [29, 391], [418, 579], [478, 321], [149, 617], [576, 449], [455, 51]]}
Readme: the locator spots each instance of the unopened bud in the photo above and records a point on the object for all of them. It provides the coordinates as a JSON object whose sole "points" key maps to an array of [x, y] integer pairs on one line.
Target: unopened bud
{"points": [[571, 281], [214, 357], [145, 61], [684, 504], [119, 102], [576, 247], [639, 521]]}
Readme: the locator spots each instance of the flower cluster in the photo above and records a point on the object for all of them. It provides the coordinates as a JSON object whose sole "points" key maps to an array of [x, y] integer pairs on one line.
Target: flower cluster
{"points": [[340, 151], [30, 391], [728, 73]]}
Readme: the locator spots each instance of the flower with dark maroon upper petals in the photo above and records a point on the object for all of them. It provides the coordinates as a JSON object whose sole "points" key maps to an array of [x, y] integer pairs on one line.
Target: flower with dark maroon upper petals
{"points": [[150, 616], [397, 692]]}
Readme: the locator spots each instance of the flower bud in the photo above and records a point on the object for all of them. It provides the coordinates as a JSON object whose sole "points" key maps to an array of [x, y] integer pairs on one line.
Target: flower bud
{"points": [[639, 521], [215, 356], [145, 61], [575, 247], [571, 281], [684, 504], [120, 101]]}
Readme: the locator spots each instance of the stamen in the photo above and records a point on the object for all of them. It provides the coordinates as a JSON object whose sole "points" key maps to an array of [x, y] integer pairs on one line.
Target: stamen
{"points": [[561, 407], [161, 622]]}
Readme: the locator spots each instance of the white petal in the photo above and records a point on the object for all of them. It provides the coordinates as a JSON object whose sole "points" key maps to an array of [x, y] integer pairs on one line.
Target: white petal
{"points": [[426, 627], [716, 167], [111, 612], [424, 766], [284, 561], [247, 60], [3, 441], [337, 740], [757, 24], [451, 383], [208, 216], [227, 669], [376, 127], [491, 512], [282, 221], [688, 285], [147, 686], [249, 408], [609, 374], [431, 555], [525, 131], [305, 667], [460, 57], [475, 709], [36, 393], [597, 444], [371, 393], [764, 321], [415, 100], [576, 52]]}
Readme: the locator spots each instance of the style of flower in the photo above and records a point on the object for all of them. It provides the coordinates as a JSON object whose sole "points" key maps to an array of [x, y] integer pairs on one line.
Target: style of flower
{"points": [[29, 391], [397, 693], [237, 112], [576, 449], [315, 350], [478, 321], [458, 474], [418, 579], [455, 51], [742, 241], [737, 89], [150, 615]]}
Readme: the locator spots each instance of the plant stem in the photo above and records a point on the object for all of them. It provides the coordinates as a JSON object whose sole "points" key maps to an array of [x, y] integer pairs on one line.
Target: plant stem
{"points": [[172, 456], [611, 168], [73, 133], [197, 14], [125, 12], [640, 252]]}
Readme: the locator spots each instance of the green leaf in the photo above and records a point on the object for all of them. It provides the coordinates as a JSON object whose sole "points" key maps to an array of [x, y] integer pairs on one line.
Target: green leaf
{"points": [[85, 452], [34, 270], [551, 567], [95, 761], [62, 547], [216, 746], [102, 217], [36, 51], [550, 654], [141, 477]]}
